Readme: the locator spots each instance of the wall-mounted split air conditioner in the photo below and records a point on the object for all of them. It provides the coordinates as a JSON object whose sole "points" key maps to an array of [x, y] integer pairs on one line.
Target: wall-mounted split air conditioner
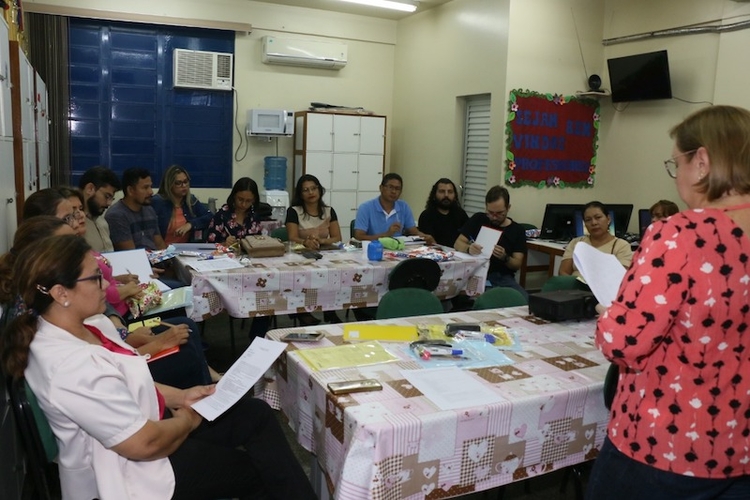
{"points": [[199, 69], [313, 54]]}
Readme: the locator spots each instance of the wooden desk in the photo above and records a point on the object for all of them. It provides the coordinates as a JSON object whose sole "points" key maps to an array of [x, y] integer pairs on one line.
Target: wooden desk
{"points": [[397, 444], [541, 256]]}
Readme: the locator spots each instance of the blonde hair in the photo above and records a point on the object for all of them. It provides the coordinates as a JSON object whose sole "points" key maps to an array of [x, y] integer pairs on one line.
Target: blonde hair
{"points": [[165, 188], [724, 131]]}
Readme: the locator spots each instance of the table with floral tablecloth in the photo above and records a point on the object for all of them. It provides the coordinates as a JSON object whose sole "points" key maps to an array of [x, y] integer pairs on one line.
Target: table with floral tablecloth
{"points": [[293, 283], [397, 444]]}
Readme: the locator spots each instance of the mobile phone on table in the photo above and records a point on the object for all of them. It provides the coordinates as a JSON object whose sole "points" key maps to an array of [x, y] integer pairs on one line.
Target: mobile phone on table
{"points": [[303, 337], [364, 385]]}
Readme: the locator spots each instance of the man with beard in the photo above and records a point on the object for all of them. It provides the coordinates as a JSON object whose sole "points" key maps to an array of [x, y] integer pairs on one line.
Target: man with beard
{"points": [[132, 220], [98, 185], [443, 215], [509, 251]]}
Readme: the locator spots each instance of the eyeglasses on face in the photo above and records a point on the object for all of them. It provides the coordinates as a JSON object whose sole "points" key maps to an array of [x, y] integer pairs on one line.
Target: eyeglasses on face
{"points": [[98, 277], [671, 163], [313, 189], [501, 213], [392, 187], [71, 219], [186, 182]]}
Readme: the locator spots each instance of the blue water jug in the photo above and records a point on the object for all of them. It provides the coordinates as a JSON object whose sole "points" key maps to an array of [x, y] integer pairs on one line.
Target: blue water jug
{"points": [[375, 250], [274, 173]]}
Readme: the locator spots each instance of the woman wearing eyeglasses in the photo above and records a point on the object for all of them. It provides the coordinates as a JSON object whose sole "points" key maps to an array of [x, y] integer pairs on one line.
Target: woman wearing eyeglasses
{"points": [[51, 201], [120, 434], [182, 218], [680, 420]]}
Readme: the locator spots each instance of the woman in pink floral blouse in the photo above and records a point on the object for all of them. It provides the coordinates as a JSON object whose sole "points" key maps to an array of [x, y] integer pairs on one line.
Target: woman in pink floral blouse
{"points": [[678, 330], [241, 215]]}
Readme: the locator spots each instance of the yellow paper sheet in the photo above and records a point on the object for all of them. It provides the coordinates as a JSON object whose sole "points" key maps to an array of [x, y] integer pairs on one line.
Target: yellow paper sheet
{"points": [[343, 356], [355, 332]]}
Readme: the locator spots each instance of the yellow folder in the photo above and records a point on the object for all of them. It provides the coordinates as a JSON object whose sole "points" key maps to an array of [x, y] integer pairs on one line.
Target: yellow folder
{"points": [[355, 332]]}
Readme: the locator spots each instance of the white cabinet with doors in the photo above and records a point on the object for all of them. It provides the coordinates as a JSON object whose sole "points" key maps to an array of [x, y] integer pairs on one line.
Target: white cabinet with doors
{"points": [[7, 174], [41, 110], [346, 153]]}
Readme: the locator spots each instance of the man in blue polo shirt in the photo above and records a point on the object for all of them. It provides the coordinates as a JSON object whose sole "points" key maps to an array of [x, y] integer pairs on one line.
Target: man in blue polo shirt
{"points": [[386, 215]]}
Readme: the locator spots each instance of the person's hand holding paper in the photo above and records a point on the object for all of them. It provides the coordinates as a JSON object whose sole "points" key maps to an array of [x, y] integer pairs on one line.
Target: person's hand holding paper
{"points": [[602, 271], [487, 239]]}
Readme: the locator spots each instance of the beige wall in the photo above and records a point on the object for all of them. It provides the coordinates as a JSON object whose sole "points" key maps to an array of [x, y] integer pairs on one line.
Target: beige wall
{"points": [[445, 53]]}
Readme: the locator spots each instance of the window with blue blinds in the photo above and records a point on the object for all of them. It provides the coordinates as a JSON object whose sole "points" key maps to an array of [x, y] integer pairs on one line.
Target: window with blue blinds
{"points": [[124, 111]]}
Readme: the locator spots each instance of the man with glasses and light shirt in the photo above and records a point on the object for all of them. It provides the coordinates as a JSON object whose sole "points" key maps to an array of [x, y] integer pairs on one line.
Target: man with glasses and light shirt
{"points": [[509, 251], [98, 185], [386, 215], [132, 220]]}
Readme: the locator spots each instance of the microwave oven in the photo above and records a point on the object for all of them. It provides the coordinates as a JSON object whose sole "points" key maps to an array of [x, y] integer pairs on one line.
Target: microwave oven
{"points": [[268, 122]]}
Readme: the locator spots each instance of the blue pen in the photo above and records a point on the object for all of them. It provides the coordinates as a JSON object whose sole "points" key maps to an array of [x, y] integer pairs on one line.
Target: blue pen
{"points": [[208, 257]]}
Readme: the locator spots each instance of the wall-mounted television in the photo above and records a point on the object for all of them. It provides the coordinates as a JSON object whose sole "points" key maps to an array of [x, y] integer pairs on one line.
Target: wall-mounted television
{"points": [[640, 77]]}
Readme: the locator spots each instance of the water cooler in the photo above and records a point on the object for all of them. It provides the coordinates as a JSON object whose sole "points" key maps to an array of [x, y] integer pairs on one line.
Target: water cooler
{"points": [[274, 184]]}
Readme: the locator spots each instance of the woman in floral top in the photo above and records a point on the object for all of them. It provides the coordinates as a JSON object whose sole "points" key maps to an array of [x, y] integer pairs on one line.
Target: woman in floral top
{"points": [[239, 217], [680, 421]]}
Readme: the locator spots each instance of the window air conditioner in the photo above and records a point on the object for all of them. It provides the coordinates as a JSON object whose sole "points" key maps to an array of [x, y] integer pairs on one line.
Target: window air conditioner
{"points": [[199, 69], [307, 53]]}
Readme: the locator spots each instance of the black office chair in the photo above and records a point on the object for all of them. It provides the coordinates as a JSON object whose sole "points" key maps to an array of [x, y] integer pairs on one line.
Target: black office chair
{"points": [[415, 273], [37, 439]]}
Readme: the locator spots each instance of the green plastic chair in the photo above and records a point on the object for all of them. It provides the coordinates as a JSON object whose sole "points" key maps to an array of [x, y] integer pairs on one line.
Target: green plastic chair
{"points": [[405, 302], [37, 438], [280, 233], [561, 283], [500, 297]]}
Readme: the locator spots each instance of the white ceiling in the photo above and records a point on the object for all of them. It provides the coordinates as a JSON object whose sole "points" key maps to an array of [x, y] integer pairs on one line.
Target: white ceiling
{"points": [[362, 10]]}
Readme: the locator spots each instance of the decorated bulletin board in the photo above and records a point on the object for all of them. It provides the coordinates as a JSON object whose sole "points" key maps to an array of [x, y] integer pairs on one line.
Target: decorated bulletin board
{"points": [[551, 140]]}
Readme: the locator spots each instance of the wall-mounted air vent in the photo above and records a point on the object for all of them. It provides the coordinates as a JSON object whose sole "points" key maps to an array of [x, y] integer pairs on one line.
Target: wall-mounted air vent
{"points": [[203, 70]]}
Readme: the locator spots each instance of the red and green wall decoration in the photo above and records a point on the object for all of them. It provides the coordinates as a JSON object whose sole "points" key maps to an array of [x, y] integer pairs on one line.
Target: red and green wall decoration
{"points": [[551, 140]]}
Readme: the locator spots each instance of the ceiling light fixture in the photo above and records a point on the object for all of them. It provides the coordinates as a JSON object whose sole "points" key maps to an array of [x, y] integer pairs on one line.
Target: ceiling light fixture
{"points": [[403, 5]]}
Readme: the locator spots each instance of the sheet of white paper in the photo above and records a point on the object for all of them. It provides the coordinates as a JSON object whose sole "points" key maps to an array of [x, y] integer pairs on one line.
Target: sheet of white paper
{"points": [[133, 262], [244, 373], [451, 388], [488, 238], [602, 271], [213, 264]]}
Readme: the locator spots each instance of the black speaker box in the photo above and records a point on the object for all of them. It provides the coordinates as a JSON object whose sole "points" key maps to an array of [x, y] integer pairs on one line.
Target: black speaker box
{"points": [[562, 305]]}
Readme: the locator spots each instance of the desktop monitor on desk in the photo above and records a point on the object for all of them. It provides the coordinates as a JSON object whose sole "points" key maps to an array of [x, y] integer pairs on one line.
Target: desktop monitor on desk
{"points": [[565, 221], [621, 218], [559, 221]]}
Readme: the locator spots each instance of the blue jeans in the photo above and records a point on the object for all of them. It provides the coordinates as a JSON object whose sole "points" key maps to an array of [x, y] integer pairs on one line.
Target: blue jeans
{"points": [[616, 476], [508, 281]]}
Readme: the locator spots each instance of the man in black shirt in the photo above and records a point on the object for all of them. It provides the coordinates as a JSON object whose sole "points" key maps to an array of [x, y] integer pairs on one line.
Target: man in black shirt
{"points": [[443, 215], [508, 254]]}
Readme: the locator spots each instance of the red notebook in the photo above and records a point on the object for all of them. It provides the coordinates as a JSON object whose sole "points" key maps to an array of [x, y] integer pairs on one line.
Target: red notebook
{"points": [[164, 353]]}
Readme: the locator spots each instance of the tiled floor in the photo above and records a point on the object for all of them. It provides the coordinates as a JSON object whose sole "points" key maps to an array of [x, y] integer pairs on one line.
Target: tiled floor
{"points": [[220, 356]]}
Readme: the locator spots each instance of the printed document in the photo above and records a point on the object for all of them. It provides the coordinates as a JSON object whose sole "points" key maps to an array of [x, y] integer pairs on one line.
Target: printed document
{"points": [[217, 264], [244, 373], [602, 271], [451, 388], [488, 238]]}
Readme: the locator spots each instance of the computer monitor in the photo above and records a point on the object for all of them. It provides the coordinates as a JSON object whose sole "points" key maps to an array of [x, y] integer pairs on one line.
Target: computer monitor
{"points": [[621, 217], [644, 220], [559, 221]]}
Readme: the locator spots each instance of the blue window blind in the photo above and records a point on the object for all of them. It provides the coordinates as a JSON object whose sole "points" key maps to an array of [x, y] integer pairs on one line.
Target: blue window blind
{"points": [[124, 111]]}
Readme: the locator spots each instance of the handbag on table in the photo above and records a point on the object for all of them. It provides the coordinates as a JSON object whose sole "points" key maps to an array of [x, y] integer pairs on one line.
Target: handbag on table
{"points": [[257, 245]]}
